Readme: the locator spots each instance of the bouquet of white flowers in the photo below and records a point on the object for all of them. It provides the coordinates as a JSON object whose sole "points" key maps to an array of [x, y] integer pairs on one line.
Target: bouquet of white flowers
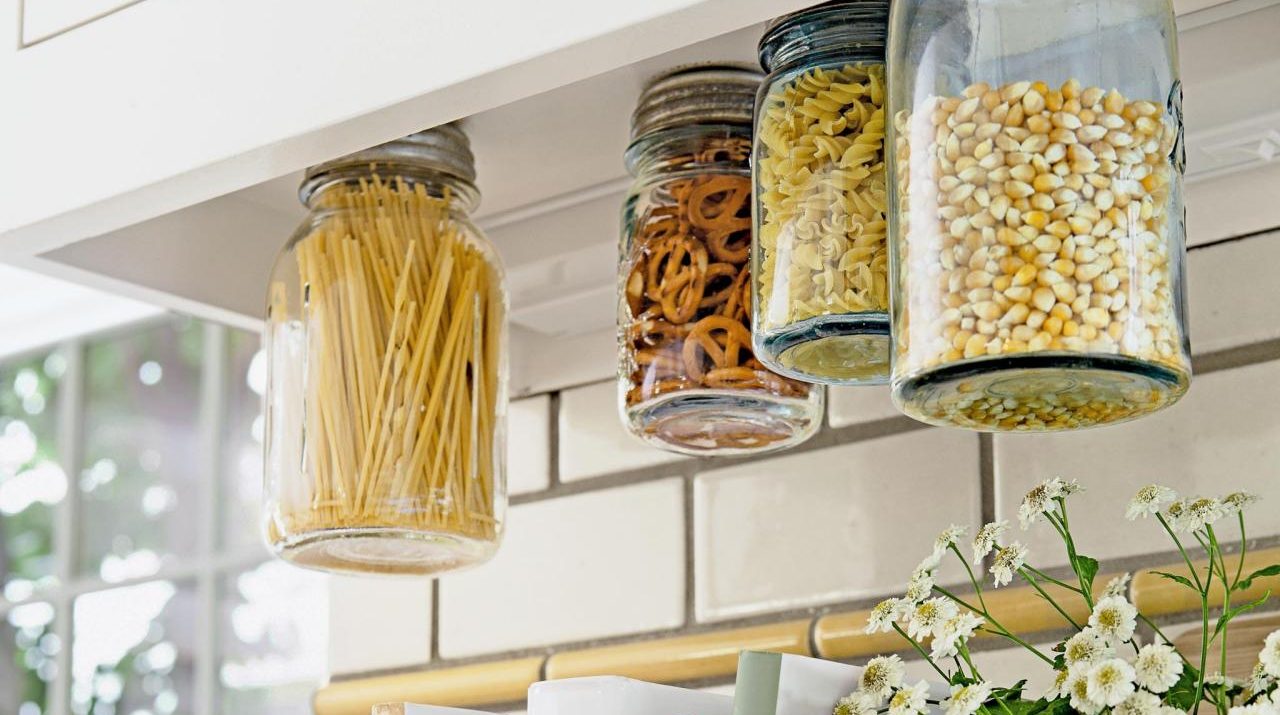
{"points": [[1102, 666]]}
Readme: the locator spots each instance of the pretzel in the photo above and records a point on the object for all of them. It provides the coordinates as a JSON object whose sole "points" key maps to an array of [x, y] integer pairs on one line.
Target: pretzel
{"points": [[722, 351], [716, 273]]}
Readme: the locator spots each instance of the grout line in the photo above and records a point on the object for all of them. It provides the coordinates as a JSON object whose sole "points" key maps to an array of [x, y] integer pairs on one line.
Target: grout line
{"points": [[1234, 239], [1232, 358], [435, 620], [553, 433], [690, 557]]}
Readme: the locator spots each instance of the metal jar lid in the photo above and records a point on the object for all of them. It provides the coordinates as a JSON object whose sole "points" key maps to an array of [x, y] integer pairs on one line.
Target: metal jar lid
{"points": [[444, 149], [860, 26], [697, 94]]}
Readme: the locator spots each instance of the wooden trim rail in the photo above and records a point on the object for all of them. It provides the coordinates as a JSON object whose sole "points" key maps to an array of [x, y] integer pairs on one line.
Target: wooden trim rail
{"points": [[710, 655]]}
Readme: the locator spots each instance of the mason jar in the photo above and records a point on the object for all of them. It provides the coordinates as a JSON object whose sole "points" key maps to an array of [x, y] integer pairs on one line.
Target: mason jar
{"points": [[1038, 230], [689, 380], [821, 256], [387, 350]]}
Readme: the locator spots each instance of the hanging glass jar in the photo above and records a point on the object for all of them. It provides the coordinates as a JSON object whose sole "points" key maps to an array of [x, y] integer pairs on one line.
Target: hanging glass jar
{"points": [[386, 341], [821, 257], [688, 380], [1038, 234]]}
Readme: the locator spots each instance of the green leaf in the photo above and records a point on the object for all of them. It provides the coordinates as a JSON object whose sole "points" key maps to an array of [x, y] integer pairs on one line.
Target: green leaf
{"points": [[1247, 583], [1087, 569], [1180, 579], [1183, 693], [1226, 617]]}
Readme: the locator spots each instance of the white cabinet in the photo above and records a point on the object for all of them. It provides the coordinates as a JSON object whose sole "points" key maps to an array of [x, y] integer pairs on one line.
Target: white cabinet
{"points": [[153, 147]]}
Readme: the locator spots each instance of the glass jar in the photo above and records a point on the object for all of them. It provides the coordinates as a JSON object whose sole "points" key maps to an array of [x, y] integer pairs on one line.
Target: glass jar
{"points": [[688, 380], [820, 256], [386, 343], [1039, 227]]}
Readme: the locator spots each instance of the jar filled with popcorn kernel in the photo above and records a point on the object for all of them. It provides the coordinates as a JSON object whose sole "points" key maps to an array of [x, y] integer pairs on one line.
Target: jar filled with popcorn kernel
{"points": [[1038, 225], [820, 258], [689, 381]]}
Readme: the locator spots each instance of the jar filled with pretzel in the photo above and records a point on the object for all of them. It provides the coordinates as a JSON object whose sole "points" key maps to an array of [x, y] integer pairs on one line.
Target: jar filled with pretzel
{"points": [[1038, 223], [387, 362], [689, 381]]}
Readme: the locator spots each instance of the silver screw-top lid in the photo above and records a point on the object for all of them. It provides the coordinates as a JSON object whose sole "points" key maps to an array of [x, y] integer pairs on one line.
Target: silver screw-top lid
{"points": [[697, 94], [445, 149], [854, 26]]}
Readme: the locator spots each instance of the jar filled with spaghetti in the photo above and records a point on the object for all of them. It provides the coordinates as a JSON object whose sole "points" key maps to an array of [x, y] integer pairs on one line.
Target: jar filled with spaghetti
{"points": [[821, 259], [386, 340], [689, 379]]}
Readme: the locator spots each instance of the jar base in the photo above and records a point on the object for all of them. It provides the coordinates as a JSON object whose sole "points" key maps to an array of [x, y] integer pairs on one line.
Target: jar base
{"points": [[385, 550], [723, 422], [1042, 392], [848, 350]]}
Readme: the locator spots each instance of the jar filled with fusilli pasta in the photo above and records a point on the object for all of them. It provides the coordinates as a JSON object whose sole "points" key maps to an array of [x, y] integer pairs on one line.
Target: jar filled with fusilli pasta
{"points": [[387, 362], [820, 258], [1038, 233], [689, 381]]}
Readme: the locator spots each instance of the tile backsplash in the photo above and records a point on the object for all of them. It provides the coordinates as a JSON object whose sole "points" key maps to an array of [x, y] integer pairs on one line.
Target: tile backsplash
{"points": [[610, 541]]}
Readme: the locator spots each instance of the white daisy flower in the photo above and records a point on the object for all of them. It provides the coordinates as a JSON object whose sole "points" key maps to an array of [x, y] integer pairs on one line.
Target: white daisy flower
{"points": [[1149, 501], [856, 704], [1255, 709], [966, 699], [947, 539], [1190, 515], [881, 676], [931, 562], [985, 540], [884, 616], [1009, 560], [1259, 680], [1118, 586], [1111, 682], [955, 632], [911, 700], [1219, 679], [928, 616], [1039, 501], [1059, 687], [920, 587], [1138, 704], [1238, 502], [1157, 667], [1086, 648], [1114, 618], [1270, 655], [1077, 690]]}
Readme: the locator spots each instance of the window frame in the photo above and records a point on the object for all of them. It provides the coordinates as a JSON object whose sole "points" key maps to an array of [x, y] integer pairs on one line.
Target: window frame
{"points": [[211, 561]]}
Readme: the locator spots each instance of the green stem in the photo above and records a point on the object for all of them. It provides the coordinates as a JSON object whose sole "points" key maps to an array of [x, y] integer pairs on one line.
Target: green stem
{"points": [[1244, 549], [1182, 550], [1226, 595], [977, 586], [1034, 584], [1204, 628], [1085, 591], [1052, 580], [923, 654], [964, 653], [1002, 632]]}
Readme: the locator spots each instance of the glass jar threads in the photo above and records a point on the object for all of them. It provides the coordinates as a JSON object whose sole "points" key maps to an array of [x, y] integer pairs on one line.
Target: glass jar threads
{"points": [[821, 258], [1039, 233], [688, 379], [386, 344]]}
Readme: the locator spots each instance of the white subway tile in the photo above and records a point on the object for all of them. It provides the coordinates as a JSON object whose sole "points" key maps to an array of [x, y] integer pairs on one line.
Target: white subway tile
{"points": [[529, 445], [593, 441], [377, 623], [1223, 436], [831, 525], [1234, 293], [587, 566], [858, 405]]}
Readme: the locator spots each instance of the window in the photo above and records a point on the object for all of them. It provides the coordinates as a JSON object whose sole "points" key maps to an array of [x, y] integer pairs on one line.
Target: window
{"points": [[132, 577]]}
